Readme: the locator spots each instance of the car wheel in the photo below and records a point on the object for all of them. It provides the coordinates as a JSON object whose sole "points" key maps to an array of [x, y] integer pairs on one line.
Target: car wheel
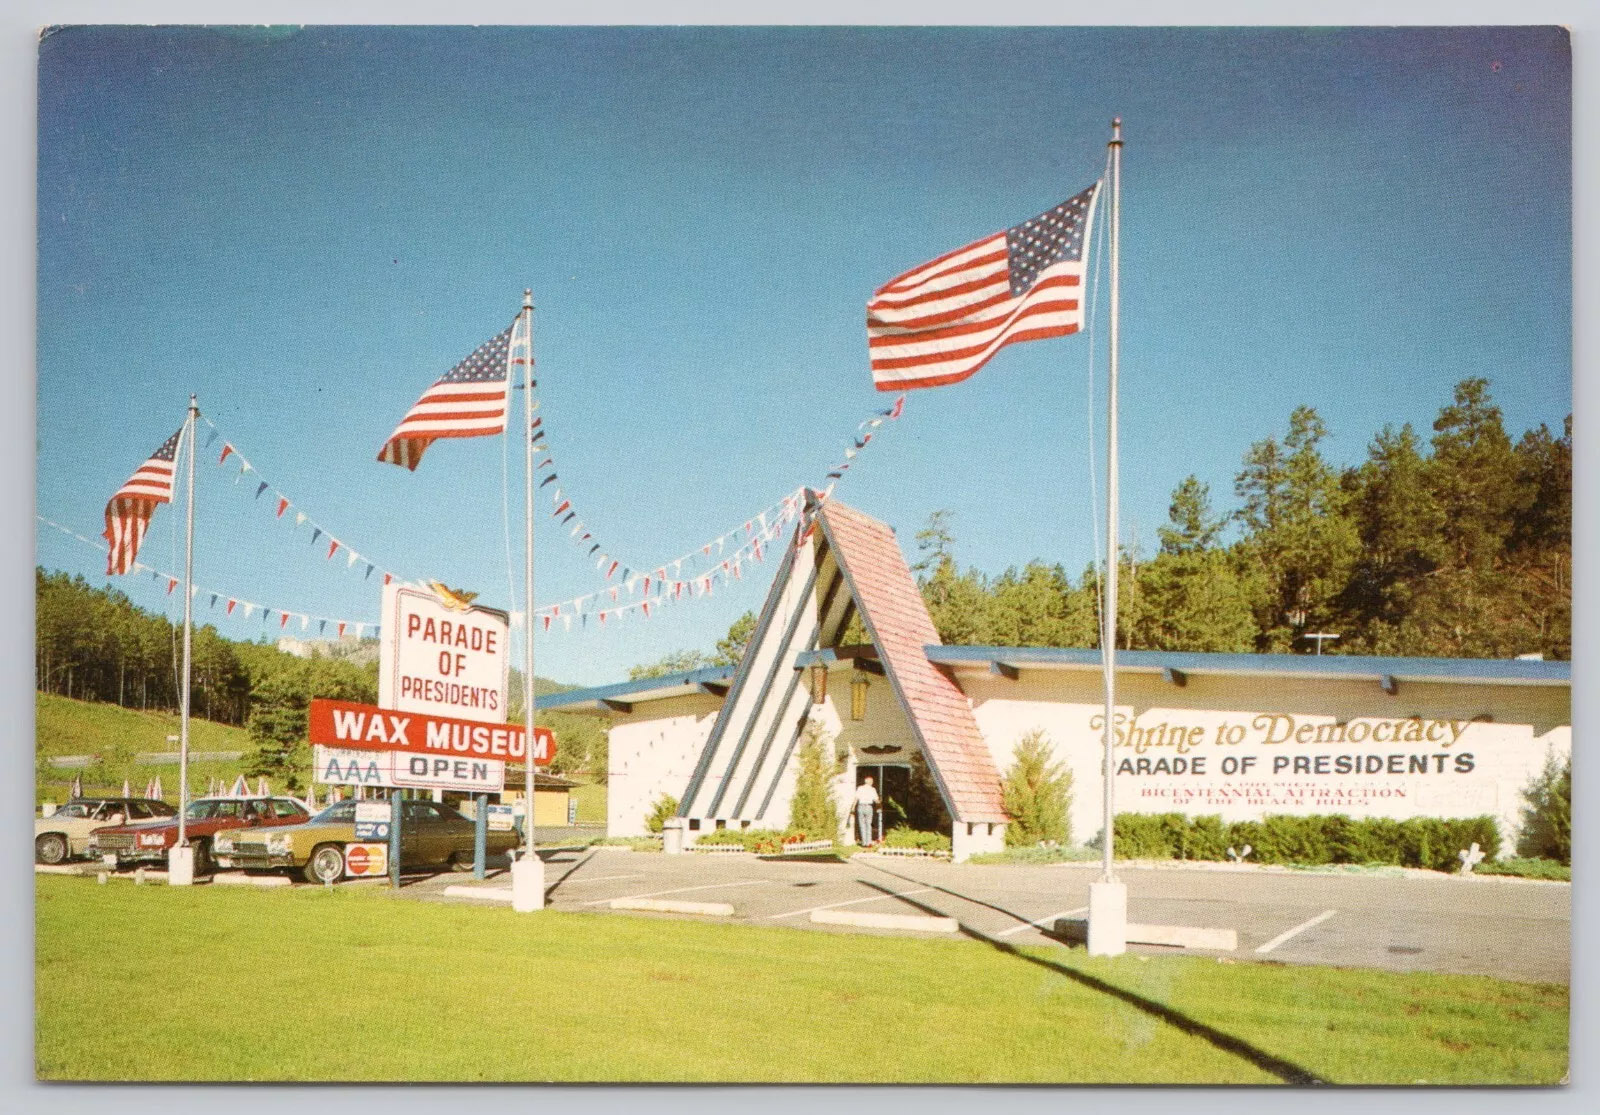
{"points": [[50, 848], [326, 864], [461, 861], [203, 863]]}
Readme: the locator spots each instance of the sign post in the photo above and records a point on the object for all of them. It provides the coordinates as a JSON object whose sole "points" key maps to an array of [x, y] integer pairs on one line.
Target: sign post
{"points": [[395, 809], [480, 835]]}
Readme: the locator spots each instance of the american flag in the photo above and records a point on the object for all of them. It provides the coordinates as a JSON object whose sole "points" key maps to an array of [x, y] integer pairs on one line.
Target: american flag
{"points": [[469, 401], [942, 321], [128, 513]]}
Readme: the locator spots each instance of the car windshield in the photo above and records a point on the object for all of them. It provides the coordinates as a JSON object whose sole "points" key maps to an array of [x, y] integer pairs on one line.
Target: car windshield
{"points": [[73, 809], [338, 811], [200, 810]]}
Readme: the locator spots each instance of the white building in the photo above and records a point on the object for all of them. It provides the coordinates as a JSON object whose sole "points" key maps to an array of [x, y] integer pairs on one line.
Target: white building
{"points": [[1240, 735]]}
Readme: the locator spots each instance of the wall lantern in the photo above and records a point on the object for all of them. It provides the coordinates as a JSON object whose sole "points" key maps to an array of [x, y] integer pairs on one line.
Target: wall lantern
{"points": [[858, 697], [819, 684]]}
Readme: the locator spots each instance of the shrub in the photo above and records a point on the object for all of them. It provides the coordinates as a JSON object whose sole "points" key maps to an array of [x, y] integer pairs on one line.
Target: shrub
{"points": [[902, 837], [666, 805], [813, 809], [1524, 868], [1547, 818], [1037, 794], [1313, 840]]}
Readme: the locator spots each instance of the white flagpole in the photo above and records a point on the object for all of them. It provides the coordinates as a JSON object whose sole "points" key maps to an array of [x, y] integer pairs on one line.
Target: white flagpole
{"points": [[181, 871], [1108, 898], [527, 873]]}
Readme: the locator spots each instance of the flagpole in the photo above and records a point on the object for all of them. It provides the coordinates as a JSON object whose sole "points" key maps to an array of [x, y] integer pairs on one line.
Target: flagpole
{"points": [[182, 873], [1108, 898], [527, 873]]}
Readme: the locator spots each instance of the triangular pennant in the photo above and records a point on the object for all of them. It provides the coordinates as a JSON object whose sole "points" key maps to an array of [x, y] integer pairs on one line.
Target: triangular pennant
{"points": [[341, 629], [566, 623], [322, 627], [231, 604], [299, 517], [261, 488], [248, 608], [352, 559], [333, 547], [316, 533], [547, 480], [213, 600], [387, 577], [368, 573], [283, 619], [305, 621], [211, 439], [226, 449], [172, 583], [283, 505]]}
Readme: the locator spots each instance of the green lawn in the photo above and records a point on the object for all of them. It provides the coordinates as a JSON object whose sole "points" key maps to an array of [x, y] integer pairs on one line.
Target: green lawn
{"points": [[219, 983]]}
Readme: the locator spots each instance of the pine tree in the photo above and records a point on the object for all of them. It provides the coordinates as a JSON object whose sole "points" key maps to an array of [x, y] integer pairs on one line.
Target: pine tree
{"points": [[1037, 794], [812, 810]]}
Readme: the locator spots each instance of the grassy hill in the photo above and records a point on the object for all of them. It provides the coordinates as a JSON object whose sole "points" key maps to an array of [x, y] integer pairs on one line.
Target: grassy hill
{"points": [[68, 727]]}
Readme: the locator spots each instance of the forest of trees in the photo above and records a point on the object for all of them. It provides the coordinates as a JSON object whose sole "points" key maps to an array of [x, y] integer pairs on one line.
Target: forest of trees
{"points": [[1458, 547]]}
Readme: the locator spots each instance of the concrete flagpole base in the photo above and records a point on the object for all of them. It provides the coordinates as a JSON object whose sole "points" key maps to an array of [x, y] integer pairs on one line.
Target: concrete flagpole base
{"points": [[180, 867], [1108, 918], [527, 884]]}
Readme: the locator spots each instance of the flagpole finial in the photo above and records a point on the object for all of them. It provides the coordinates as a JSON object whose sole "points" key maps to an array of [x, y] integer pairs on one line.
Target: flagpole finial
{"points": [[1116, 130], [527, 299]]}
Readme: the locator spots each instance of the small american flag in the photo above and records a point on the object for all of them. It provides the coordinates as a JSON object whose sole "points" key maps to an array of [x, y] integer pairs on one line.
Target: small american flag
{"points": [[942, 321], [469, 401], [128, 513]]}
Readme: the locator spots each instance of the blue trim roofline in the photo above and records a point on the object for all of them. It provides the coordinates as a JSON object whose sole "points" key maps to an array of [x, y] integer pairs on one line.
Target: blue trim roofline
{"points": [[644, 689], [1325, 666]]}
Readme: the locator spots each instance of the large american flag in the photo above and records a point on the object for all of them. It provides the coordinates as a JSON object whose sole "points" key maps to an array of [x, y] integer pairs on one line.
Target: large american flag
{"points": [[128, 513], [469, 401], [942, 321]]}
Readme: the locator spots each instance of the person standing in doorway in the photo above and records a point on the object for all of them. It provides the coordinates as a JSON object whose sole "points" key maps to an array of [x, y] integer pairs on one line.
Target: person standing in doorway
{"points": [[866, 802]]}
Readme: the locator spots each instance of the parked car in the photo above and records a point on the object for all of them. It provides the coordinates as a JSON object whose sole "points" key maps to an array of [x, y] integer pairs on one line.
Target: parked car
{"points": [[65, 833], [431, 836], [205, 818]]}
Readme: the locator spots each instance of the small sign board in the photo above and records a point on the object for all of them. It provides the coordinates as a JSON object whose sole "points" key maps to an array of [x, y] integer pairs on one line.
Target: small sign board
{"points": [[347, 767], [372, 820], [434, 658], [366, 859], [353, 725], [502, 818]]}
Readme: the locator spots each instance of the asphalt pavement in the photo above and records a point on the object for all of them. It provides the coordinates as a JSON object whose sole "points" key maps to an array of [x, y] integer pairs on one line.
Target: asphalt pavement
{"points": [[1401, 921]]}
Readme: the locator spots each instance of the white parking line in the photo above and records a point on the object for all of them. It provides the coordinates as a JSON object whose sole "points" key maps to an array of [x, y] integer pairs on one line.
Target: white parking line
{"points": [[679, 890], [852, 902], [1301, 928], [601, 879], [1042, 922]]}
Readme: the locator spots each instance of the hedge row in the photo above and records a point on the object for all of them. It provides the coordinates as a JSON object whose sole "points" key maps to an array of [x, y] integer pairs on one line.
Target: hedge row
{"points": [[1430, 842]]}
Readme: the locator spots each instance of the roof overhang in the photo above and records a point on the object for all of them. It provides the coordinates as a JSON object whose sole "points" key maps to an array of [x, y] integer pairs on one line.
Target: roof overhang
{"points": [[612, 700], [1176, 667]]}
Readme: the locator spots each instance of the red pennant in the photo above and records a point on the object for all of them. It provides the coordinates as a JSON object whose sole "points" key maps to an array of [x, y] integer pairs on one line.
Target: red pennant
{"points": [[647, 586], [341, 629], [332, 546], [566, 503], [283, 619], [546, 627], [226, 449], [283, 505], [646, 607], [387, 578], [231, 603], [899, 405], [603, 616], [612, 570], [172, 583]]}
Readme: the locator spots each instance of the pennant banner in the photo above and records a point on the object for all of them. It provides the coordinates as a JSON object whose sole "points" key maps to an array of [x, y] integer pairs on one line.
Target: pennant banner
{"points": [[282, 503]]}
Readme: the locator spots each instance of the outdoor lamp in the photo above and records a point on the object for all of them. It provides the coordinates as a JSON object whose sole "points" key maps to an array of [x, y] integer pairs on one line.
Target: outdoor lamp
{"points": [[858, 697], [819, 684]]}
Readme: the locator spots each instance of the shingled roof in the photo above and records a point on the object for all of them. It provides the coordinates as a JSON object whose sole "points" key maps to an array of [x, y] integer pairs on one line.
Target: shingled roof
{"points": [[897, 622]]}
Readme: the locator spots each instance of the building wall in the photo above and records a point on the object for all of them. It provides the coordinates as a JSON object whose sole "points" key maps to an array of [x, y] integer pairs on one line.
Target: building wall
{"points": [[652, 752], [1243, 747]]}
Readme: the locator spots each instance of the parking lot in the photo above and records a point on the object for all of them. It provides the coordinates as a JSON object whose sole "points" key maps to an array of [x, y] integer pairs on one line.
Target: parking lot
{"points": [[1404, 921]]}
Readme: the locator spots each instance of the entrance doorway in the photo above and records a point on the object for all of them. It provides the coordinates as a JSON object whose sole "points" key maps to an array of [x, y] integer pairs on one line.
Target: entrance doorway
{"points": [[893, 783]]}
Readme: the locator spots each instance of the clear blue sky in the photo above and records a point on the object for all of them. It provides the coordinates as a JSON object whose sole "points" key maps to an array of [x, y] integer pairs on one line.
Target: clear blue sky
{"points": [[308, 227]]}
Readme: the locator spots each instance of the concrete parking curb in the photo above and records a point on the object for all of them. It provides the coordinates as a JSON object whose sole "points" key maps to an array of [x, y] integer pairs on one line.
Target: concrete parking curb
{"points": [[238, 879], [920, 923], [658, 906], [489, 894], [1177, 936]]}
